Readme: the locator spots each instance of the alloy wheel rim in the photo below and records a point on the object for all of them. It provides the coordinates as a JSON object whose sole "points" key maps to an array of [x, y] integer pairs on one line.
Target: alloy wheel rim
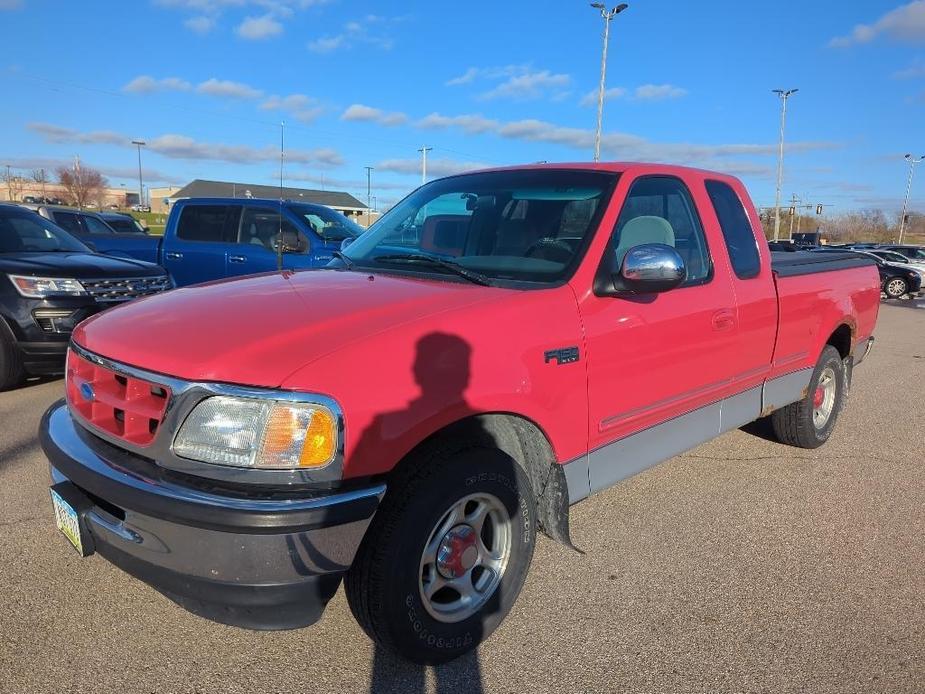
{"points": [[896, 288], [465, 557], [824, 398]]}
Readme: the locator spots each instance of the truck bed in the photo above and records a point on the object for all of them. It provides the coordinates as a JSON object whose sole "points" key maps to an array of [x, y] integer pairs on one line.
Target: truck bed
{"points": [[792, 263]]}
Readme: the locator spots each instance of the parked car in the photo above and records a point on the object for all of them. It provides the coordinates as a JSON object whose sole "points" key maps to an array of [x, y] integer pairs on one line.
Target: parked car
{"points": [[916, 253], [213, 238], [897, 258], [49, 282], [141, 208], [30, 199], [93, 229], [123, 223], [498, 346], [896, 281]]}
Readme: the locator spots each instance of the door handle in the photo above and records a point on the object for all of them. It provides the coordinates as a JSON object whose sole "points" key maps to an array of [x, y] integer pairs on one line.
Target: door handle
{"points": [[237, 258], [173, 255], [724, 320]]}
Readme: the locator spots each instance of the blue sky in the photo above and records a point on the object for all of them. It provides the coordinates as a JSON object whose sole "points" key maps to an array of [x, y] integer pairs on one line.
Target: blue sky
{"points": [[207, 82]]}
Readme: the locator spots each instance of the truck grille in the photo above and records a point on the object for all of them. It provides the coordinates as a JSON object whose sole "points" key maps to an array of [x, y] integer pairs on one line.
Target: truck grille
{"points": [[111, 290], [123, 406]]}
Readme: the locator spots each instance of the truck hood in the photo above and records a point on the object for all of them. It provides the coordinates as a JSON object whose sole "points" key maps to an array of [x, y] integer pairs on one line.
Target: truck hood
{"points": [[76, 265], [258, 330]]}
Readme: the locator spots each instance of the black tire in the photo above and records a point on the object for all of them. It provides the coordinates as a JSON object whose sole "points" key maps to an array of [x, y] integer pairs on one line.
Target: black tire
{"points": [[384, 584], [794, 424], [11, 369], [895, 288]]}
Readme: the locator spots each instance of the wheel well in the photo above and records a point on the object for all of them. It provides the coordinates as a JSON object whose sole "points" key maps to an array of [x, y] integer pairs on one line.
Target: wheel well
{"points": [[841, 340], [525, 443]]}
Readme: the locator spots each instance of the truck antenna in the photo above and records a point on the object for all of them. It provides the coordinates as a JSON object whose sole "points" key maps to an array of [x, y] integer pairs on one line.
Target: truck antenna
{"points": [[279, 238]]}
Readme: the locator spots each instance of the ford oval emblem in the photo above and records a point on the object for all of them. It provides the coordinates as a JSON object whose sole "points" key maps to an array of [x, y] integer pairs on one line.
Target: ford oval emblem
{"points": [[86, 392]]}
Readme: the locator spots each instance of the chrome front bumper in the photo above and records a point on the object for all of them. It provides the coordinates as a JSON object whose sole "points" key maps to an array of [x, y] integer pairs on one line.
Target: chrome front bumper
{"points": [[260, 563]]}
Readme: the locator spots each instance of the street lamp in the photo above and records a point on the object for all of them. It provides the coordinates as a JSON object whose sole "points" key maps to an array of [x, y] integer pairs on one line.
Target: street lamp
{"points": [[783, 95], [912, 162], [607, 15], [141, 193]]}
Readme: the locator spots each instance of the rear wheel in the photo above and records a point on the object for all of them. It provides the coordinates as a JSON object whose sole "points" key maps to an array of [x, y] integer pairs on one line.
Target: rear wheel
{"points": [[896, 287], [446, 555], [809, 422], [11, 369]]}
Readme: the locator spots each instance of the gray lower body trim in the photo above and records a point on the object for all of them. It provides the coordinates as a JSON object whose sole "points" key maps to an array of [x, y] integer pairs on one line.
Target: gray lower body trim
{"points": [[616, 461], [785, 389]]}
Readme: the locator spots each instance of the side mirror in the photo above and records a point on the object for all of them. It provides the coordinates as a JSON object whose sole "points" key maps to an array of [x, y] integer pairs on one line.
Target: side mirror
{"points": [[648, 268], [346, 242], [147, 230], [291, 242]]}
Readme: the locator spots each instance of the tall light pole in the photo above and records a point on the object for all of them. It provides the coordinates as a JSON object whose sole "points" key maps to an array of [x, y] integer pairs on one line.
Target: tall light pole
{"points": [[424, 150], [141, 192], [902, 220], [607, 15], [369, 216], [783, 95]]}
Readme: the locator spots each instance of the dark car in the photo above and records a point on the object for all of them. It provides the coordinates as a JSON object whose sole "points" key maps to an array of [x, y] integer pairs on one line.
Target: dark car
{"points": [[49, 282], [895, 281], [123, 223]]}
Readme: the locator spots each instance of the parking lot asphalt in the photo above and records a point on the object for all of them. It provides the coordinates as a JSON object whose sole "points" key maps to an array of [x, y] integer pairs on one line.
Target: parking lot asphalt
{"points": [[741, 566]]}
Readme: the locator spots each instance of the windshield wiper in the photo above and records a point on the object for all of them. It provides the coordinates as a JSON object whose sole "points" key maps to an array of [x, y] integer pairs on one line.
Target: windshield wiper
{"points": [[424, 259], [344, 259]]}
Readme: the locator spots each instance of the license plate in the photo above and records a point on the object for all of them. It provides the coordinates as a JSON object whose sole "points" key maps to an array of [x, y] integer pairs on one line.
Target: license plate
{"points": [[67, 521]]}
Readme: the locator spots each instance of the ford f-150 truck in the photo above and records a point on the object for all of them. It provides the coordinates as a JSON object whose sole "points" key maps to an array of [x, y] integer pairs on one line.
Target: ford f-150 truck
{"points": [[499, 346], [213, 238]]}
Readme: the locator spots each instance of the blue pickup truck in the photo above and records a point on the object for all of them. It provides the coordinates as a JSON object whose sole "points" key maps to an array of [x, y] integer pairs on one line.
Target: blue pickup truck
{"points": [[211, 238]]}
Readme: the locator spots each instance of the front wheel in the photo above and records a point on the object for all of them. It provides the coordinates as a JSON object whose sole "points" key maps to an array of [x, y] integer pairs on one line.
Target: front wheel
{"points": [[446, 555], [809, 422], [896, 287]]}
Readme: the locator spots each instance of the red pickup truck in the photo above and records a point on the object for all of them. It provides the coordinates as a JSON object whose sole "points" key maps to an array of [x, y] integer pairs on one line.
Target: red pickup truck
{"points": [[499, 346]]}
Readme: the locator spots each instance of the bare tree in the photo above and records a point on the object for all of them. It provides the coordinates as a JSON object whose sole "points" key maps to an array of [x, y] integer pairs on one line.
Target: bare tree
{"points": [[13, 183], [84, 185], [40, 176]]}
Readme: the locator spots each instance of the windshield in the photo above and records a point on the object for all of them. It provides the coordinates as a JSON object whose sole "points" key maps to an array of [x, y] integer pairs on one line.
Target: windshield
{"points": [[526, 226], [22, 231], [327, 223]]}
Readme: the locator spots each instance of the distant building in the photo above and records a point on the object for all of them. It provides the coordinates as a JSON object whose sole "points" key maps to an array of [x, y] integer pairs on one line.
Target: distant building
{"points": [[342, 202]]}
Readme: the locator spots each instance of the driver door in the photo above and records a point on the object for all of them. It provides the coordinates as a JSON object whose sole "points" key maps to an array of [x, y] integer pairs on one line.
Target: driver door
{"points": [[657, 359]]}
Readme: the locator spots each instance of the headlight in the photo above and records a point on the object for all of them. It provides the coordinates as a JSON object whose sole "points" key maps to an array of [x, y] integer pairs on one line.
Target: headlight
{"points": [[248, 432], [41, 287]]}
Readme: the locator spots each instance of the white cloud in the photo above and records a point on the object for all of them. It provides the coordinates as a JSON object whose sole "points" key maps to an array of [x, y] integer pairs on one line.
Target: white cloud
{"points": [[302, 107], [466, 78], [229, 89], [905, 23], [435, 167], [359, 112], [258, 28], [175, 146], [145, 84], [471, 124], [343, 184], [355, 33], [200, 24], [658, 92], [530, 85], [914, 71], [590, 99]]}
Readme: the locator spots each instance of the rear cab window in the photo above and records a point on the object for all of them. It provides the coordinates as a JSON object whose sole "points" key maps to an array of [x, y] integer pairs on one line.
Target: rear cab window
{"points": [[737, 230], [209, 223], [69, 221]]}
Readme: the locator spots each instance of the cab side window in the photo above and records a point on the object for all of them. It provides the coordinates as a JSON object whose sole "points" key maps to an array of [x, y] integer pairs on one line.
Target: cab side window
{"points": [[69, 222], [261, 227], [209, 223], [737, 230], [659, 209], [95, 226]]}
